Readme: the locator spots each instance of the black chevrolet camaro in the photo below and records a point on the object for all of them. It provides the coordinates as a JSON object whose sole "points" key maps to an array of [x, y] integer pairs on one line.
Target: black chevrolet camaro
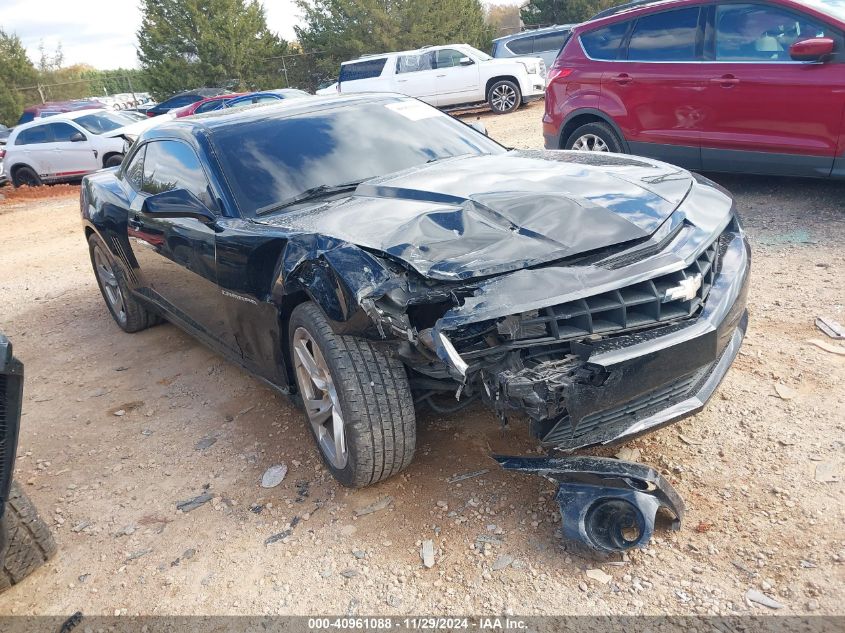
{"points": [[369, 254]]}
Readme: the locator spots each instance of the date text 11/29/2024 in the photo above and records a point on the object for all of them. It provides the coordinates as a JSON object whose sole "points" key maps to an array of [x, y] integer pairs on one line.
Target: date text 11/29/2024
{"points": [[420, 623]]}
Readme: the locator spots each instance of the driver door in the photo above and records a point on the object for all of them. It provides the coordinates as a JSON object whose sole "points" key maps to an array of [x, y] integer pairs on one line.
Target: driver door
{"points": [[176, 256], [67, 158], [760, 105], [456, 82]]}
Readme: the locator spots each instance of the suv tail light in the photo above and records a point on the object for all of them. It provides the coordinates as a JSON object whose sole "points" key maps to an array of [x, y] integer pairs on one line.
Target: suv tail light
{"points": [[556, 72], [2, 153]]}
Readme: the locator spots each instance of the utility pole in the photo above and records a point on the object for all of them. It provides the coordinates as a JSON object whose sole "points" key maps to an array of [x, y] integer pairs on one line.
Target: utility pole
{"points": [[285, 69]]}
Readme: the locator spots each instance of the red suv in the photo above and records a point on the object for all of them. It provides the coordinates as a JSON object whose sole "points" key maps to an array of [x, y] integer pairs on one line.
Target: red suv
{"points": [[743, 86]]}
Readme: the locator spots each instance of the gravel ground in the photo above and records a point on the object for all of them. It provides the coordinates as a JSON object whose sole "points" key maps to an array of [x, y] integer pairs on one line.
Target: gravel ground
{"points": [[118, 429]]}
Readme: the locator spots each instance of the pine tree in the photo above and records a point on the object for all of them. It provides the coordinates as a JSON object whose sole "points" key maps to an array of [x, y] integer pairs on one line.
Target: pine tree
{"points": [[185, 44]]}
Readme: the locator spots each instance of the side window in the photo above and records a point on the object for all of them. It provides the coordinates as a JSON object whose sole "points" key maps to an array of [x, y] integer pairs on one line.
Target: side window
{"points": [[758, 32], [61, 132], [666, 36], [170, 165], [448, 58], [604, 44], [522, 46], [134, 172], [362, 70], [178, 102], [550, 41], [209, 106], [33, 136], [413, 63]]}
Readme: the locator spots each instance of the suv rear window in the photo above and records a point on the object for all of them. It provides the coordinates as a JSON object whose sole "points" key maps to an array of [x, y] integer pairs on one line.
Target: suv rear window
{"points": [[33, 135], [666, 36], [522, 46], [550, 41], [604, 44], [362, 70]]}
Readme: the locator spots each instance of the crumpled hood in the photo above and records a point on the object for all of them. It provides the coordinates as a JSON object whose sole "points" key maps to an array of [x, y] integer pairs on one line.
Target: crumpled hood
{"points": [[483, 215]]}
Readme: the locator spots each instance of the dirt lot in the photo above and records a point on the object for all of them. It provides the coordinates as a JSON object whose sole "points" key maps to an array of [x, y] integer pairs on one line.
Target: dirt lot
{"points": [[120, 428]]}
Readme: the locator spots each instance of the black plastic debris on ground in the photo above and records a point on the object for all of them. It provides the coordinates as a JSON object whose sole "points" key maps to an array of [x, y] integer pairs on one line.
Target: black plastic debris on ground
{"points": [[284, 533], [196, 502], [607, 505]]}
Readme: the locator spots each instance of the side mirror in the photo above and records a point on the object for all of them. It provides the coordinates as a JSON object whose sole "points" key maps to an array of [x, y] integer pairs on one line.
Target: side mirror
{"points": [[179, 203], [814, 49], [76, 137], [466, 61], [479, 126]]}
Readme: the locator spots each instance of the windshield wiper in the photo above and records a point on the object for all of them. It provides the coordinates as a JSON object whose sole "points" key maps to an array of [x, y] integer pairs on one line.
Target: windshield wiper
{"points": [[309, 194]]}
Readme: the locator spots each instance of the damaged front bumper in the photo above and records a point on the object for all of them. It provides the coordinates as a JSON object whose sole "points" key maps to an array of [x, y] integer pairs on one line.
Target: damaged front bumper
{"points": [[608, 389]]}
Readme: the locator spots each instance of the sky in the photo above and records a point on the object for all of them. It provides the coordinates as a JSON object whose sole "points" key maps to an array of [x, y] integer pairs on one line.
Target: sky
{"points": [[101, 33]]}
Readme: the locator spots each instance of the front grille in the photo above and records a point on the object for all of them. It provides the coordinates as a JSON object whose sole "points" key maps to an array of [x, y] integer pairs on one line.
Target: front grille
{"points": [[604, 425], [637, 306]]}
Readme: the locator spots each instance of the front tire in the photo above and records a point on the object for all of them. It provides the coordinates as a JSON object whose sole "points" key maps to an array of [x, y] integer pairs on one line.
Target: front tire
{"points": [[114, 161], [594, 137], [29, 541], [357, 400], [129, 314], [504, 97], [26, 176]]}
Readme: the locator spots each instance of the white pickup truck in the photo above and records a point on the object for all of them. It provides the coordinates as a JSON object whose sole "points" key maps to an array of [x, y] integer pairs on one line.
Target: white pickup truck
{"points": [[448, 76]]}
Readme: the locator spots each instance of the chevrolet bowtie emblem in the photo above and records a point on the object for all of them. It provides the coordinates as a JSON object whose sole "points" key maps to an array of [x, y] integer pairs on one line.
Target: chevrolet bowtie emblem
{"points": [[684, 291]]}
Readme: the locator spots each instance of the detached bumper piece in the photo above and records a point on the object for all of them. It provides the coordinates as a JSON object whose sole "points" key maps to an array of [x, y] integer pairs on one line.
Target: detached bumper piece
{"points": [[607, 505]]}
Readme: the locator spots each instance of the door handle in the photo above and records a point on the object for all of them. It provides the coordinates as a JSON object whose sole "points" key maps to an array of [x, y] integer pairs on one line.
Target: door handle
{"points": [[623, 79], [726, 81], [401, 81], [443, 75]]}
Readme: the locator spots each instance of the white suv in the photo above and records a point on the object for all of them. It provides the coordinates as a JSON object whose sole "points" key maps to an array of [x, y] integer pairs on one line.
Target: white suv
{"points": [[69, 145], [448, 76]]}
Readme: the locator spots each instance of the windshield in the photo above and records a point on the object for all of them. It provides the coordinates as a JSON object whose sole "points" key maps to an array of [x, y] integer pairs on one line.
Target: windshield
{"points": [[481, 55], [834, 8], [271, 159], [102, 122]]}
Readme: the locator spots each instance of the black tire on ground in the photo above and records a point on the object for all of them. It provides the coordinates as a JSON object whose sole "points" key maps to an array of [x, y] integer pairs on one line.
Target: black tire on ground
{"points": [[129, 314], [25, 175], [114, 161], [375, 401], [504, 97], [29, 541], [592, 131]]}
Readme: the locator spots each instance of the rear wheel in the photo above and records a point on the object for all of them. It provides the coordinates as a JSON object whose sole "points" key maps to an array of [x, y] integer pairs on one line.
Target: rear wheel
{"points": [[25, 176], [29, 541], [110, 272], [114, 161], [594, 137], [504, 97], [357, 400]]}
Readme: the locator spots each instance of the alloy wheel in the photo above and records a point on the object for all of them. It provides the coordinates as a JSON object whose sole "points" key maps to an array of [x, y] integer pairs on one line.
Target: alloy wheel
{"points": [[590, 143], [111, 287], [320, 398], [503, 98]]}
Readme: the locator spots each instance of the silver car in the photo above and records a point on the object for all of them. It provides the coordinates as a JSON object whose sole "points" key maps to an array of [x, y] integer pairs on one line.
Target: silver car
{"points": [[545, 43]]}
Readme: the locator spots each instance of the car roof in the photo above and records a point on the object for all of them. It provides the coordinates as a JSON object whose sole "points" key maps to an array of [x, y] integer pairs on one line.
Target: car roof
{"points": [[528, 32], [60, 116], [416, 51], [191, 127]]}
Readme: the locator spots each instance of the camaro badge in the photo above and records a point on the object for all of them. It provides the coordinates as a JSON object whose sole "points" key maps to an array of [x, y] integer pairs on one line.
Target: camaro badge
{"points": [[684, 291]]}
